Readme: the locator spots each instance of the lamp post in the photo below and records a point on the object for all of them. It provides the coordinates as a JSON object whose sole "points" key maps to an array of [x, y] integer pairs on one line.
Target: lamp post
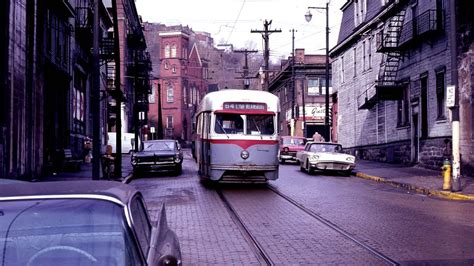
{"points": [[308, 17]]}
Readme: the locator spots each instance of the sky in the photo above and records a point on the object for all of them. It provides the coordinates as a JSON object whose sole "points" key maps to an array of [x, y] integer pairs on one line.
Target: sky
{"points": [[231, 21]]}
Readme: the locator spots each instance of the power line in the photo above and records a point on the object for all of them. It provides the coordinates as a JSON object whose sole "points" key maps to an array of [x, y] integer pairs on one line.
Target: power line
{"points": [[235, 22]]}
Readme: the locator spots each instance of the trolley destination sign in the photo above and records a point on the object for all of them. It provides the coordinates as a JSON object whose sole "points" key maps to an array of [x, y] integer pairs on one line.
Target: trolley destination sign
{"points": [[244, 106]]}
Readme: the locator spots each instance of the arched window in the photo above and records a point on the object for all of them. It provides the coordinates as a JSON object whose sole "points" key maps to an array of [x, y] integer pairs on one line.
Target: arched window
{"points": [[173, 50], [167, 51]]}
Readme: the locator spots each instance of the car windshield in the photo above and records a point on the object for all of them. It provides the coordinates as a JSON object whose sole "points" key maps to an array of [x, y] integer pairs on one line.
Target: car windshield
{"points": [[64, 232], [325, 148], [293, 141], [159, 146]]}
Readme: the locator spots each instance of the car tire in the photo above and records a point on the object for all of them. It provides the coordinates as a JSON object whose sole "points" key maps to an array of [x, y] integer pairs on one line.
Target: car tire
{"points": [[301, 167], [308, 167], [179, 169]]}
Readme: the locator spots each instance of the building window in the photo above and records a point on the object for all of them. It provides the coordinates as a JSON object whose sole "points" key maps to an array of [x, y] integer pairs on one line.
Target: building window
{"points": [[342, 70], [424, 104], [363, 55], [185, 53], [369, 54], [313, 87], [170, 94], [355, 61], [167, 51], [78, 102], [185, 95], [169, 121], [173, 69], [173, 50], [322, 82], [167, 65], [440, 94], [402, 108], [360, 10]]}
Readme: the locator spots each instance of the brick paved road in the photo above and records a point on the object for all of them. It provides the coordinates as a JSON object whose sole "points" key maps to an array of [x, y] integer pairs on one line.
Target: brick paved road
{"points": [[290, 236], [409, 228], [205, 230], [404, 226]]}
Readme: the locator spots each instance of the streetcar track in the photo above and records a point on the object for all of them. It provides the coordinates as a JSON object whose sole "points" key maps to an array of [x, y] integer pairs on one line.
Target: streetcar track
{"points": [[333, 226], [258, 250]]}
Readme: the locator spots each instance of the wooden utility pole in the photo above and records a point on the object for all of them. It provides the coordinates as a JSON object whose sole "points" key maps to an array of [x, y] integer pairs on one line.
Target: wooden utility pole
{"points": [[246, 66], [266, 54], [293, 87]]}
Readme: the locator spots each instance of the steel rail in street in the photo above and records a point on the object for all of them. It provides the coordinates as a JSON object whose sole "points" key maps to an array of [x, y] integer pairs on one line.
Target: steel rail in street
{"points": [[334, 227], [260, 253]]}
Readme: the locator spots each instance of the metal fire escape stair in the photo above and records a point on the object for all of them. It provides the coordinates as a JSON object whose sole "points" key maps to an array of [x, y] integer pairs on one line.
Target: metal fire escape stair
{"points": [[390, 46], [386, 86]]}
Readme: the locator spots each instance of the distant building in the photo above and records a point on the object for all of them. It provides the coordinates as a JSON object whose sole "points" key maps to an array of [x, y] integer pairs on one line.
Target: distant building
{"points": [[307, 102], [181, 72]]}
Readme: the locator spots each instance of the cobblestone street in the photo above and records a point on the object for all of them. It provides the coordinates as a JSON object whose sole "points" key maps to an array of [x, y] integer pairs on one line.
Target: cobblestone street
{"points": [[400, 226]]}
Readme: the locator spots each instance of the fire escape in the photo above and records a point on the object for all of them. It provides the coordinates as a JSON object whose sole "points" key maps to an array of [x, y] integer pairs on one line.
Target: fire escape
{"points": [[395, 39], [139, 68], [387, 42]]}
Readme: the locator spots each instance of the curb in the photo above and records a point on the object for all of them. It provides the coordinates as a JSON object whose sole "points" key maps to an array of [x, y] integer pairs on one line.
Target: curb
{"points": [[128, 178], [421, 190]]}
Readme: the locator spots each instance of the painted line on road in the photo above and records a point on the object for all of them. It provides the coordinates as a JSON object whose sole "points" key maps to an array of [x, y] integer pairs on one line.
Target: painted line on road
{"points": [[421, 190]]}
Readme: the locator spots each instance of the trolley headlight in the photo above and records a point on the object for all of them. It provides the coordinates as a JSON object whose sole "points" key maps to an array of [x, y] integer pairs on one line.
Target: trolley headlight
{"points": [[244, 155]]}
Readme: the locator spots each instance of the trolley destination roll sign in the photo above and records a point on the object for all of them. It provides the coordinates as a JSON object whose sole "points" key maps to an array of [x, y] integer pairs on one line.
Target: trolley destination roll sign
{"points": [[245, 106]]}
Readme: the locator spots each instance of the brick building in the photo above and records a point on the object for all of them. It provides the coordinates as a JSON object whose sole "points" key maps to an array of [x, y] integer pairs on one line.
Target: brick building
{"points": [[308, 102], [181, 72], [392, 64]]}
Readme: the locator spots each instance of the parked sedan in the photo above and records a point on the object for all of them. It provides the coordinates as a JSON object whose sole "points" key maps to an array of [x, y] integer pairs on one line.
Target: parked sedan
{"points": [[82, 223], [289, 145], [157, 155], [324, 156]]}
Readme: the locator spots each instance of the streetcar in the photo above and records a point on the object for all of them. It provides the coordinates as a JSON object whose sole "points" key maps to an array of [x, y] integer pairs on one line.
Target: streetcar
{"points": [[236, 136]]}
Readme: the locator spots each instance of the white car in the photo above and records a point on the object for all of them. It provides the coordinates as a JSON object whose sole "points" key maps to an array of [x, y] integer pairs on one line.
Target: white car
{"points": [[325, 156]]}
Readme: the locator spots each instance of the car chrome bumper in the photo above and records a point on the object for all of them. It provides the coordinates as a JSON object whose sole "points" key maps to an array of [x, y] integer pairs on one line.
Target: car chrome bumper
{"points": [[333, 166]]}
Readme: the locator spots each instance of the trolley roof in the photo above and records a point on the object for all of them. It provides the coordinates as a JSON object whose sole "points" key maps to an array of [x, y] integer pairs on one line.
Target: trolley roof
{"points": [[215, 100]]}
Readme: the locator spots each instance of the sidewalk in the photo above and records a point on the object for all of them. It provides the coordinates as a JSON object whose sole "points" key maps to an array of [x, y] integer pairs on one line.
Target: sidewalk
{"points": [[417, 179], [86, 172]]}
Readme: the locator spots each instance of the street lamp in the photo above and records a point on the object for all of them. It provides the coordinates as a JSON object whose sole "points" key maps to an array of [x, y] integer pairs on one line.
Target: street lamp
{"points": [[308, 16]]}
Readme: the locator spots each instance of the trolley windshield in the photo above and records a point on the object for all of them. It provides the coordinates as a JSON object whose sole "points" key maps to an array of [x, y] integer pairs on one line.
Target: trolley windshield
{"points": [[248, 124]]}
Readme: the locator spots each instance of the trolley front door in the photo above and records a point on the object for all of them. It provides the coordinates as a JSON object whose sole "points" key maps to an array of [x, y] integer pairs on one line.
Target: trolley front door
{"points": [[205, 146]]}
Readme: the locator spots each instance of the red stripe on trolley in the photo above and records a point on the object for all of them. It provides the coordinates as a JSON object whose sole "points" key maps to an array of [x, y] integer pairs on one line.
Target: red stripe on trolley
{"points": [[244, 143]]}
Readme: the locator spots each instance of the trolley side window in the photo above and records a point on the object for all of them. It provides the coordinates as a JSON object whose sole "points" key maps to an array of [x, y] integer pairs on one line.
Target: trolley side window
{"points": [[229, 124], [260, 125]]}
